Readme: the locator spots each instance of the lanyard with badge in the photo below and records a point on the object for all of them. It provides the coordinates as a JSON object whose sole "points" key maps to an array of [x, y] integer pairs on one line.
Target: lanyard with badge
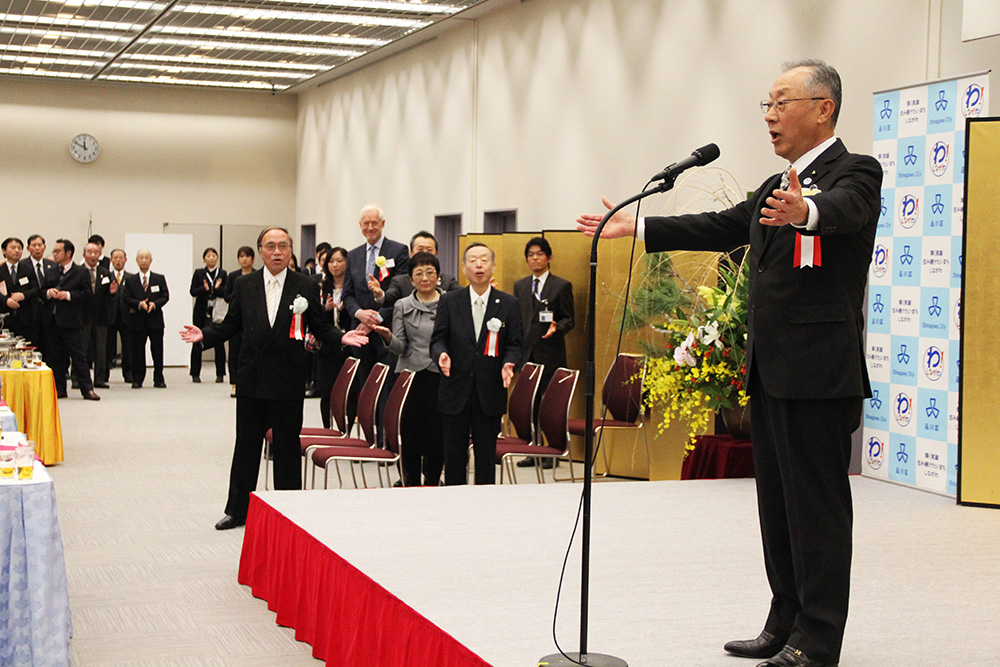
{"points": [[545, 315]]}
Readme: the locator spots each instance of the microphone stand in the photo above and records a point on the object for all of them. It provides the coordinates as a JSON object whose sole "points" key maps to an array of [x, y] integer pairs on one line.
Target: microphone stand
{"points": [[583, 657]]}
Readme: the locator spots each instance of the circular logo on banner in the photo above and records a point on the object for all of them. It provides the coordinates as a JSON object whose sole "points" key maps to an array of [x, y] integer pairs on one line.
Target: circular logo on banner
{"points": [[908, 207], [958, 313], [939, 158], [875, 450], [880, 261], [902, 409], [933, 363], [972, 101]]}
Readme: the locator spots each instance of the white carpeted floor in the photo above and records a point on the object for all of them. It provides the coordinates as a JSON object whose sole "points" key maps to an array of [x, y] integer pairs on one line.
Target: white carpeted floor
{"points": [[676, 566]]}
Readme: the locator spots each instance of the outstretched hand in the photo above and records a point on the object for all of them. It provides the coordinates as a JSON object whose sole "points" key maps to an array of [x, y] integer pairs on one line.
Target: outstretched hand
{"points": [[621, 223], [191, 334], [354, 338], [786, 206]]}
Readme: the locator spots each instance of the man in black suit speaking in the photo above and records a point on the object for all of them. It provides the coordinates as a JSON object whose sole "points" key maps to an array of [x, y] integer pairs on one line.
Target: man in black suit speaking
{"points": [[145, 296], [272, 308], [477, 344], [811, 233]]}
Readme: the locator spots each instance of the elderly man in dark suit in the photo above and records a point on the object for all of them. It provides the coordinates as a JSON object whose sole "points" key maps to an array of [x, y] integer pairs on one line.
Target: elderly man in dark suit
{"points": [[477, 345], [97, 313], [805, 353], [146, 294], [272, 308], [546, 303], [370, 268], [31, 313], [66, 296]]}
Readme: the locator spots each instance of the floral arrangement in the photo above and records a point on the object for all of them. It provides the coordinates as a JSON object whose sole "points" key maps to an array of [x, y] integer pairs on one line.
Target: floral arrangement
{"points": [[700, 367]]}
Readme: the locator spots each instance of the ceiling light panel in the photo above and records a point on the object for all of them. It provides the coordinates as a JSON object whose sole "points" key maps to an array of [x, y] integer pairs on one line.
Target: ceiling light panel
{"points": [[264, 45]]}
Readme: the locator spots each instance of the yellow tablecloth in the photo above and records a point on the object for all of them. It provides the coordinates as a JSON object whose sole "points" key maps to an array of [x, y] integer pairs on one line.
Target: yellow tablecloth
{"points": [[31, 394]]}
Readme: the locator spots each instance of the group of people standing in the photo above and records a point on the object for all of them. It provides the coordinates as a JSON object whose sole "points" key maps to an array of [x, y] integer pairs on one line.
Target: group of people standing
{"points": [[75, 313]]}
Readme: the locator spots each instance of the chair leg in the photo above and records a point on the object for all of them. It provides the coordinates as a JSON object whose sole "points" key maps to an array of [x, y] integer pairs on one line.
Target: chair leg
{"points": [[598, 431], [354, 475], [340, 480], [540, 471], [364, 480]]}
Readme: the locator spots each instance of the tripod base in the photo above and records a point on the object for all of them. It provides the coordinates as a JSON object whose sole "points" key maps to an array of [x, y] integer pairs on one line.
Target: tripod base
{"points": [[593, 660]]}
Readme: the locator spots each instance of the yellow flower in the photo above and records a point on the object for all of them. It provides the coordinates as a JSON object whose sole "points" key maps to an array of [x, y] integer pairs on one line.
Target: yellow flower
{"points": [[380, 261]]}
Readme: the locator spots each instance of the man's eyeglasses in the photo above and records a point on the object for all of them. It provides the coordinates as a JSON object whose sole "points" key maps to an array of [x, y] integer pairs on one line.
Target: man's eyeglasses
{"points": [[271, 247], [766, 105]]}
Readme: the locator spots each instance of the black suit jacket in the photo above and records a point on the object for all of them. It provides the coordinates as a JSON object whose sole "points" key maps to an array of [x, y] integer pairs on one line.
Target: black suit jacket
{"points": [[34, 294], [471, 368], [156, 293], [67, 314], [99, 307], [557, 295], [357, 296], [402, 285], [201, 295], [271, 365], [805, 325], [119, 309]]}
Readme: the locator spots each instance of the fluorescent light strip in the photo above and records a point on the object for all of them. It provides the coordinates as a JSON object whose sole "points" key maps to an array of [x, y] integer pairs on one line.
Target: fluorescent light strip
{"points": [[149, 57], [278, 36], [244, 46], [71, 22], [43, 72], [172, 69], [256, 85], [254, 14], [56, 51], [63, 34], [383, 5], [117, 4], [41, 60]]}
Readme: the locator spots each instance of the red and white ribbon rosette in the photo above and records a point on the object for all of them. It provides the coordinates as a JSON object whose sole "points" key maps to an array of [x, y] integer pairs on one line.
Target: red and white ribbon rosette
{"points": [[383, 270], [493, 337], [807, 248], [299, 306]]}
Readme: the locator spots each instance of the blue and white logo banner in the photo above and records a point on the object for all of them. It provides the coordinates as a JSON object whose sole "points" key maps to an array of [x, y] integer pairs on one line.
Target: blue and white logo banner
{"points": [[914, 282]]}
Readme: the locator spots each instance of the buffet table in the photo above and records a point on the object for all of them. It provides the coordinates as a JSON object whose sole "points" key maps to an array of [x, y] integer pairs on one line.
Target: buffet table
{"points": [[35, 623], [31, 394]]}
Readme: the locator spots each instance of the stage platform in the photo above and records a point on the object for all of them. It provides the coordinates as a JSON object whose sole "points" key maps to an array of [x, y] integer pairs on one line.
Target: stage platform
{"points": [[676, 571]]}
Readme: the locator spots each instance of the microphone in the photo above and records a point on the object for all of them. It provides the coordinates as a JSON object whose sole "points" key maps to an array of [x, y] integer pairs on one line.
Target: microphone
{"points": [[699, 158]]}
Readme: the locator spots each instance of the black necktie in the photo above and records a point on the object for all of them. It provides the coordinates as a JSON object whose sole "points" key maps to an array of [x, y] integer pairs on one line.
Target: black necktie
{"points": [[13, 273], [534, 289], [38, 272]]}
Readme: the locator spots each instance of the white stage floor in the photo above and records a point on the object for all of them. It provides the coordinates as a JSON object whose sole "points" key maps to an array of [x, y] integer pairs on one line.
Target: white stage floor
{"points": [[676, 569]]}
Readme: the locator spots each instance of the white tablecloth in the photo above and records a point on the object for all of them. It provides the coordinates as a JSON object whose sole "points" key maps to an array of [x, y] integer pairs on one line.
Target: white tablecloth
{"points": [[35, 623]]}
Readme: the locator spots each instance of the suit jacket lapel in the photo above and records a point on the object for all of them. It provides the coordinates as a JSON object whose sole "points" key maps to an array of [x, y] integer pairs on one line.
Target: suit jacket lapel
{"points": [[464, 305], [256, 292]]}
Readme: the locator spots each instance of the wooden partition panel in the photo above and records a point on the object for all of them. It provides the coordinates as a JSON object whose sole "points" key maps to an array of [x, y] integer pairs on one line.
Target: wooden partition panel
{"points": [[979, 381]]}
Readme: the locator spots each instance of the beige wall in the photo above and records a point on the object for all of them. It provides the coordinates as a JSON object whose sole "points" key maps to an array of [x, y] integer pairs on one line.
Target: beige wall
{"points": [[167, 155], [543, 106]]}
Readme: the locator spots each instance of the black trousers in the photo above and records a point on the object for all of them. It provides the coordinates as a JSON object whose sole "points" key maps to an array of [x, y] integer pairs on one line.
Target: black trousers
{"points": [[483, 429], [327, 364], [220, 360], [95, 340], [422, 432], [253, 417], [235, 343], [63, 344], [802, 455], [114, 330], [155, 337]]}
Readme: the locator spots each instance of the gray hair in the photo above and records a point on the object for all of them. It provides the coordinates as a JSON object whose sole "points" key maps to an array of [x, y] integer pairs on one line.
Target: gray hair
{"points": [[372, 207], [822, 77]]}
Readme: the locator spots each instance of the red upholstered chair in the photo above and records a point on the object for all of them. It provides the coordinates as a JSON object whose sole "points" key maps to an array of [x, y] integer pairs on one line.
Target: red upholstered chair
{"points": [[622, 395], [521, 403], [553, 418], [356, 450], [340, 394]]}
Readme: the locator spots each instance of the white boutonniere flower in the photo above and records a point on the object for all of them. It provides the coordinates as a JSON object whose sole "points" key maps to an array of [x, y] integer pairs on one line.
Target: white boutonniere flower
{"points": [[299, 305], [494, 325]]}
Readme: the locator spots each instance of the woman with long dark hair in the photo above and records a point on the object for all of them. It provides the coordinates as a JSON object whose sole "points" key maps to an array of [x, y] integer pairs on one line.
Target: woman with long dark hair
{"points": [[332, 295]]}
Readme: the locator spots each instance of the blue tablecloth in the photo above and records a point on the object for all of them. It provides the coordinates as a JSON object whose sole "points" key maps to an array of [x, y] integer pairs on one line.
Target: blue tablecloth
{"points": [[35, 623]]}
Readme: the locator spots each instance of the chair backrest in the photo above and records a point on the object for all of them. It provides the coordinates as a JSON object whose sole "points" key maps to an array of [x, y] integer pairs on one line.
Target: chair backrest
{"points": [[622, 392], [553, 413], [394, 406], [368, 401], [341, 391], [522, 401]]}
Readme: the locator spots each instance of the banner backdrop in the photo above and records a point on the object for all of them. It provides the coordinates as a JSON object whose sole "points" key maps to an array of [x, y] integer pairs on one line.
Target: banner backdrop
{"points": [[914, 282]]}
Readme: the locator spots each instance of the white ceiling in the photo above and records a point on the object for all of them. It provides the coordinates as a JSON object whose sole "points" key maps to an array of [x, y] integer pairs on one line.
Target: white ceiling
{"points": [[264, 45]]}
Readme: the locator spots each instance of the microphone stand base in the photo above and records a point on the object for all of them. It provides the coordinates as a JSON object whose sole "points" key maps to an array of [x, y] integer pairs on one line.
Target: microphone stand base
{"points": [[592, 660]]}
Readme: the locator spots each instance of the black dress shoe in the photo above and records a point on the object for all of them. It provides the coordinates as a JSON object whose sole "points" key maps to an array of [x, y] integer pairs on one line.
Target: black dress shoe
{"points": [[137, 385], [195, 379], [220, 379], [60, 394], [100, 385], [161, 385], [91, 396], [227, 522], [764, 646], [526, 463], [793, 657]]}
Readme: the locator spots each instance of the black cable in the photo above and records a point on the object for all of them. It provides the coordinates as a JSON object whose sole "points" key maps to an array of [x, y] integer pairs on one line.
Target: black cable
{"points": [[597, 449]]}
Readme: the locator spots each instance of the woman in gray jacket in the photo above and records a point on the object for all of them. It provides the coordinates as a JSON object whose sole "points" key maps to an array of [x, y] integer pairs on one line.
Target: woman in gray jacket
{"points": [[410, 340]]}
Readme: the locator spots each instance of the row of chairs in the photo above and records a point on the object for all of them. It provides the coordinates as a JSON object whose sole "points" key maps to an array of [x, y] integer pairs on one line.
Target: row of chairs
{"points": [[323, 448]]}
